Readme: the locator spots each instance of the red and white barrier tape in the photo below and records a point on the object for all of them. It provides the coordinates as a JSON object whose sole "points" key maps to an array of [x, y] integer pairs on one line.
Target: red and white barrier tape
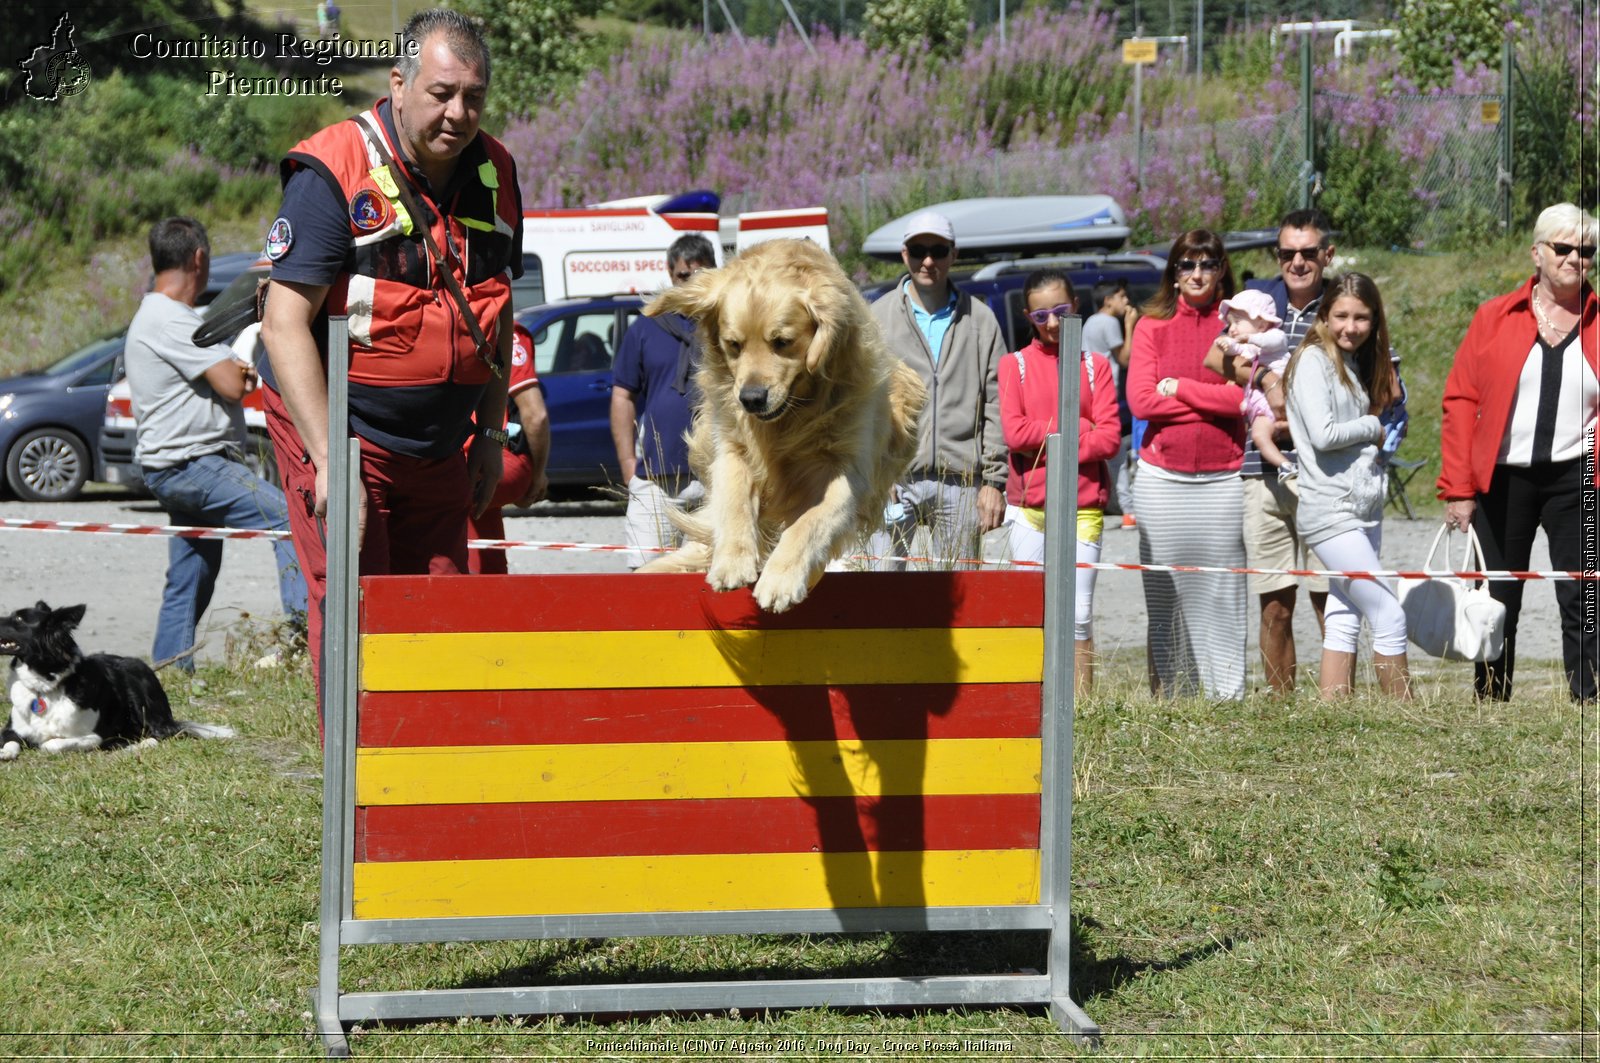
{"points": [[148, 530]]}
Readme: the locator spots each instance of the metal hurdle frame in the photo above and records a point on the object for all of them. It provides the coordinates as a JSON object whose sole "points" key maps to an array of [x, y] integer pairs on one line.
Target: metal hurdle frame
{"points": [[333, 1009]]}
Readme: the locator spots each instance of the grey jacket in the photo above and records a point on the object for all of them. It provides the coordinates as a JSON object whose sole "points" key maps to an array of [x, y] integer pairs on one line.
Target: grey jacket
{"points": [[1341, 481], [959, 439]]}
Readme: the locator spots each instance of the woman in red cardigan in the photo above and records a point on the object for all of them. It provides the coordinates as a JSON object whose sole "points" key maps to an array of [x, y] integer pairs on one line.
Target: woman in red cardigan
{"points": [[1188, 480], [1030, 399], [1516, 446]]}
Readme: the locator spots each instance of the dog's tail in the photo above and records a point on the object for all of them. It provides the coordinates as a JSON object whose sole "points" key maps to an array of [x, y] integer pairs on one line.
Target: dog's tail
{"points": [[694, 526], [203, 730]]}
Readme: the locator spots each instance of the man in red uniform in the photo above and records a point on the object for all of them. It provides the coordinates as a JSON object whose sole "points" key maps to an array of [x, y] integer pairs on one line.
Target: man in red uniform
{"points": [[523, 481], [380, 214]]}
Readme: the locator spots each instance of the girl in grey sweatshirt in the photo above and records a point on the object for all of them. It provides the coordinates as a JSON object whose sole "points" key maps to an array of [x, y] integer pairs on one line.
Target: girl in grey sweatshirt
{"points": [[1338, 382]]}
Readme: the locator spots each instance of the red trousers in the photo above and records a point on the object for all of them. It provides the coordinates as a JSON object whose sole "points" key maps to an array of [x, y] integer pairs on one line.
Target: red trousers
{"points": [[416, 516], [516, 476]]}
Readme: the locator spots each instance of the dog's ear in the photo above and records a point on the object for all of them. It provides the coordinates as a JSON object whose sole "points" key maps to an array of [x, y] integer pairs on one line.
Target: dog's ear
{"points": [[71, 616], [42, 606], [830, 312], [696, 298]]}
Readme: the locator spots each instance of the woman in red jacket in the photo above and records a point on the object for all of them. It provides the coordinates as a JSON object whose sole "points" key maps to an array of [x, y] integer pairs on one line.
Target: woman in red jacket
{"points": [[1030, 398], [1189, 477], [1516, 447]]}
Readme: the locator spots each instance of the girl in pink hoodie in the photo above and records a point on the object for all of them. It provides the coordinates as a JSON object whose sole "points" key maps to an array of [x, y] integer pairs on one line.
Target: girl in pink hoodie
{"points": [[1030, 397]]}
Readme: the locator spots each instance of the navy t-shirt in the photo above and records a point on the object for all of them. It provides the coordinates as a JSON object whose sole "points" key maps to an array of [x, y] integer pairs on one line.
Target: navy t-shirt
{"points": [[425, 421], [653, 364]]}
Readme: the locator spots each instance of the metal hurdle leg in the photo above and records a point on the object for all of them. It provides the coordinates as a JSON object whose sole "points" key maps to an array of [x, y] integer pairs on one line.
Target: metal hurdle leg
{"points": [[339, 684], [1061, 580]]}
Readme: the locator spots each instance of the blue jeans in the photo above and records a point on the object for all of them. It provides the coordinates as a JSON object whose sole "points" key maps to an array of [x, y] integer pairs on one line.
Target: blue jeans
{"points": [[214, 491]]}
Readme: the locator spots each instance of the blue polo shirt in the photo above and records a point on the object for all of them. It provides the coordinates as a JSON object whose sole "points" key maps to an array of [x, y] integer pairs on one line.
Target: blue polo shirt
{"points": [[425, 421], [654, 364], [934, 326]]}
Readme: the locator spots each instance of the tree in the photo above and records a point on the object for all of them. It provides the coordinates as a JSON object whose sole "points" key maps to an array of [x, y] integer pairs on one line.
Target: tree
{"points": [[534, 45], [936, 27], [1436, 34]]}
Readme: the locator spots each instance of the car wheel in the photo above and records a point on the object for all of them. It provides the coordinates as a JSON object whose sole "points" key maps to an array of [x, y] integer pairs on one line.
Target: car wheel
{"points": [[262, 458], [47, 465]]}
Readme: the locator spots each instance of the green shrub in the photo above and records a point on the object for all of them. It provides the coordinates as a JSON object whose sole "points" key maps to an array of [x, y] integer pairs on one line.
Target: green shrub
{"points": [[129, 150], [1367, 191], [1547, 135], [533, 46], [933, 27], [1436, 34]]}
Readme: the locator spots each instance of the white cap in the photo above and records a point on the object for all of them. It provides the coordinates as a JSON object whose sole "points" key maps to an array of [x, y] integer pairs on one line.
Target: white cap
{"points": [[929, 223]]}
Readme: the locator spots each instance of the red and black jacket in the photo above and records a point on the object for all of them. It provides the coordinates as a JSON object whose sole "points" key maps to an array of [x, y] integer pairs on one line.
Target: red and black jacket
{"points": [[405, 327]]}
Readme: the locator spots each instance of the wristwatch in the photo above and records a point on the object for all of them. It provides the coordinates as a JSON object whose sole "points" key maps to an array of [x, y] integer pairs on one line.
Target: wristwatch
{"points": [[498, 435]]}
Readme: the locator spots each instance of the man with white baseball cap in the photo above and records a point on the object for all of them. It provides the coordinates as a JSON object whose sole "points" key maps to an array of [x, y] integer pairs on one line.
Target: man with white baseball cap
{"points": [[956, 483]]}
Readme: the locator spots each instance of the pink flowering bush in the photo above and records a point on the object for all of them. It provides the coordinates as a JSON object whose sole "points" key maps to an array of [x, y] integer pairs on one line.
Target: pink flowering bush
{"points": [[873, 133]]}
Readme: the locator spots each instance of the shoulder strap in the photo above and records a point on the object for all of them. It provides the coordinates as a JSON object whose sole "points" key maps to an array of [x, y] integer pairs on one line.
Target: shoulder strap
{"points": [[489, 354], [672, 325]]}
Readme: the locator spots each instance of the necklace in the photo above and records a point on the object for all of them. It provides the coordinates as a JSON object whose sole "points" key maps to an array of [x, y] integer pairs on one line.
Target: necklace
{"points": [[1545, 324]]}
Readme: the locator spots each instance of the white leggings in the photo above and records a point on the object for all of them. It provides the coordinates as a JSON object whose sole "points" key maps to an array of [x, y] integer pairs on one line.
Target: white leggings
{"points": [[1351, 599], [1028, 545]]}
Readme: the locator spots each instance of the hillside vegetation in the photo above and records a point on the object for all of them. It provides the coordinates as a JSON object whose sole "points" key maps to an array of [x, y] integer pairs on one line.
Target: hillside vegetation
{"points": [[869, 132]]}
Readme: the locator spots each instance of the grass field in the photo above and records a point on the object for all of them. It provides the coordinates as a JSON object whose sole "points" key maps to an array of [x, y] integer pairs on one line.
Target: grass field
{"points": [[1272, 879]]}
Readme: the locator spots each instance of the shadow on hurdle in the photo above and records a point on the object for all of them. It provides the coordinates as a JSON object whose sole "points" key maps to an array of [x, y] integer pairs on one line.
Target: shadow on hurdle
{"points": [[625, 756]]}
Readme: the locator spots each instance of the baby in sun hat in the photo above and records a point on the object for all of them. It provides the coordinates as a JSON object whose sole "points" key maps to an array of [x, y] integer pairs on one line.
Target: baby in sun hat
{"points": [[1253, 333]]}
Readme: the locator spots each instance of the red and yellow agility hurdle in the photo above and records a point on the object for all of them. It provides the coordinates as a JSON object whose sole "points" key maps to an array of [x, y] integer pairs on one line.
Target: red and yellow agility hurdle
{"points": [[556, 757]]}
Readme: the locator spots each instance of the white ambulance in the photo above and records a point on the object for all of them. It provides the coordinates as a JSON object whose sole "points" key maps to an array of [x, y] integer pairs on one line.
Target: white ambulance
{"points": [[620, 247]]}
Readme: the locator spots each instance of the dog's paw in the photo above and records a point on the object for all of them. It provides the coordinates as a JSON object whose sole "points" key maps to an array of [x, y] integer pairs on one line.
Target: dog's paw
{"points": [[732, 569], [10, 751], [781, 589]]}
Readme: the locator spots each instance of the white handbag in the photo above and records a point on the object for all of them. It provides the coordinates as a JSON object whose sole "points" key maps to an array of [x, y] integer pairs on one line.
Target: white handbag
{"points": [[1449, 617]]}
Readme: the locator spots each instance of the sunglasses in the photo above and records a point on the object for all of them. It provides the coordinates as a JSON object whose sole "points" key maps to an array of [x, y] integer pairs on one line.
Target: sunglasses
{"points": [[937, 252], [1287, 255], [1043, 316], [1563, 250], [1204, 265], [683, 274]]}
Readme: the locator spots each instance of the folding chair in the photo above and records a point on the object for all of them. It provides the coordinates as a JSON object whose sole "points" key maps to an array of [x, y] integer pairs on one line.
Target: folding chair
{"points": [[1401, 473]]}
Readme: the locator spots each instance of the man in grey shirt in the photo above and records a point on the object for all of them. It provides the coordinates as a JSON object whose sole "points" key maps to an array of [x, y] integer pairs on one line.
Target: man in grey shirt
{"points": [[186, 400], [956, 484]]}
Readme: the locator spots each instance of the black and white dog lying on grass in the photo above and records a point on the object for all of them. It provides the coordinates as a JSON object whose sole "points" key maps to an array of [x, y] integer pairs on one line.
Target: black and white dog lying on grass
{"points": [[62, 700]]}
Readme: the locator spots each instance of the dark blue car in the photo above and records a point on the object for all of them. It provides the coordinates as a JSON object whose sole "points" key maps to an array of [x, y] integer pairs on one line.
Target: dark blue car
{"points": [[50, 418], [573, 345], [50, 422]]}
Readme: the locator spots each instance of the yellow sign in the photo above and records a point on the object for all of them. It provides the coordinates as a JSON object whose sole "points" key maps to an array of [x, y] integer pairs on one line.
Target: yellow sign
{"points": [[1489, 112], [1135, 50]]}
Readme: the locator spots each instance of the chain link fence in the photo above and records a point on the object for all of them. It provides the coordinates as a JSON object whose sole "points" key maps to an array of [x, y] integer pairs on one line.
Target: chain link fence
{"points": [[1426, 169]]}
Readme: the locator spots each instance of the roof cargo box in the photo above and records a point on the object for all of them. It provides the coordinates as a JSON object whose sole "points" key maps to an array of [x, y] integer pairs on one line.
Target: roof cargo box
{"points": [[1007, 226]]}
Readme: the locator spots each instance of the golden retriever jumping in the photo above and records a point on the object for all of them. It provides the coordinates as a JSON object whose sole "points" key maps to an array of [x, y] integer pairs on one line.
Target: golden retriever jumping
{"points": [[806, 421]]}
